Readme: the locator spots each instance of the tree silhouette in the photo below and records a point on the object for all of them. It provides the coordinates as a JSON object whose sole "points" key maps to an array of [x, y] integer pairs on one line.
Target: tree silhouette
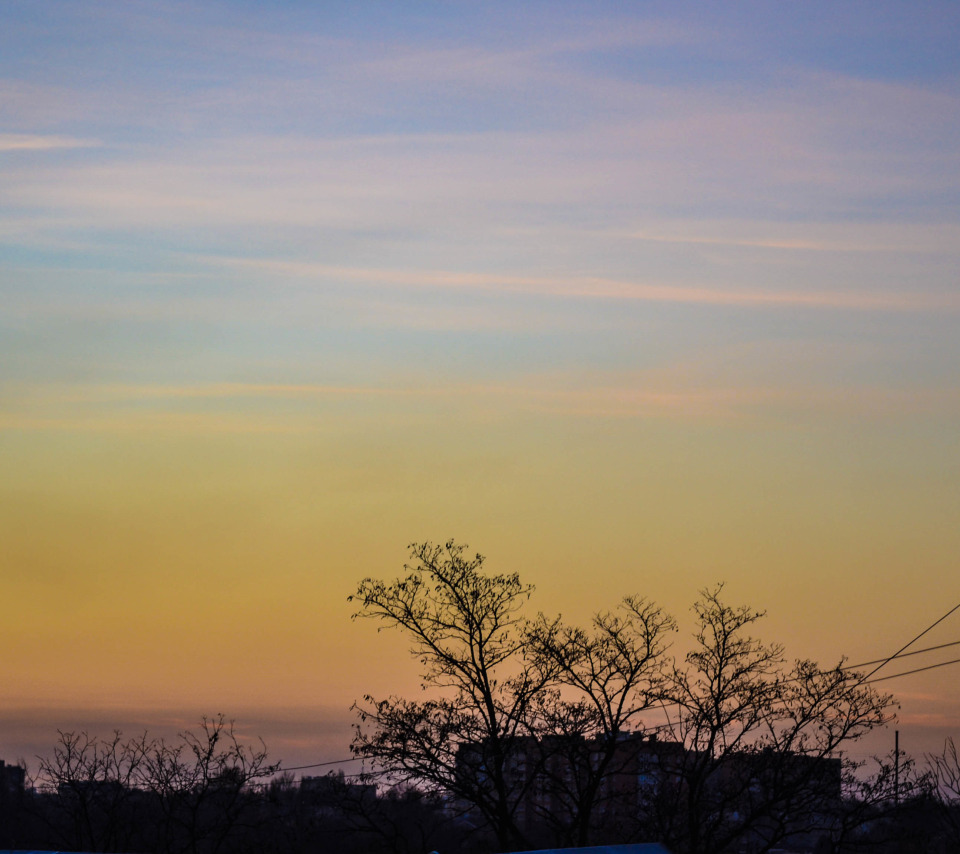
{"points": [[539, 729], [465, 628], [760, 737], [186, 796]]}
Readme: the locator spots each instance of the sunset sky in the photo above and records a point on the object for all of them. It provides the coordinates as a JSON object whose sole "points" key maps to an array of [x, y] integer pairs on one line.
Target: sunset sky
{"points": [[630, 297]]}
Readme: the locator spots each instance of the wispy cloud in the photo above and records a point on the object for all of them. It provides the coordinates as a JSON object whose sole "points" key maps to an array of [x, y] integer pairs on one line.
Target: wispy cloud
{"points": [[262, 408], [597, 287], [175, 423], [882, 238], [34, 142], [104, 393]]}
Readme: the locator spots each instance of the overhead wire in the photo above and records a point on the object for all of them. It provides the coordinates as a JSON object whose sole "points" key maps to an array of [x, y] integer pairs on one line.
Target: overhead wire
{"points": [[907, 645], [902, 655], [320, 764], [908, 672], [864, 680]]}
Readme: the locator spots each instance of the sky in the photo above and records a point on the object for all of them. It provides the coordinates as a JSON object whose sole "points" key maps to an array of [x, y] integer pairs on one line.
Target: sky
{"points": [[629, 297]]}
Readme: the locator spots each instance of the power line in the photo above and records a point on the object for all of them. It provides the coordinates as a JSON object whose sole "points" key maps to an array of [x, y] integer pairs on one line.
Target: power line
{"points": [[900, 651], [881, 662], [900, 655], [657, 728], [908, 672], [319, 764]]}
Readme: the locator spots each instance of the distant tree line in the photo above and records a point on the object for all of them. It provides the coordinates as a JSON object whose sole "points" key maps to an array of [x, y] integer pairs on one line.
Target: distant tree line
{"points": [[95, 806], [194, 794], [205, 792]]}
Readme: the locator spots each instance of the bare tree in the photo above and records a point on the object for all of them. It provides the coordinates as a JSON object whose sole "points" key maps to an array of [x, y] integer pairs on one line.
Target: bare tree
{"points": [[92, 787], [946, 771], [945, 789], [466, 629], [762, 739], [116, 794], [603, 678], [888, 806], [201, 786]]}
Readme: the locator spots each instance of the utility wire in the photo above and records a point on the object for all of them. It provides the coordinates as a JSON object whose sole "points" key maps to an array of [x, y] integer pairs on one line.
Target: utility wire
{"points": [[908, 672], [901, 655], [669, 726], [900, 651], [866, 680], [319, 764]]}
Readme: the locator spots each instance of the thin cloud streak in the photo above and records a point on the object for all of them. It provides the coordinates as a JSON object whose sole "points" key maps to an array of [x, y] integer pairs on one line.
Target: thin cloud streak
{"points": [[594, 396], [596, 287], [876, 238], [188, 424], [789, 145], [31, 142]]}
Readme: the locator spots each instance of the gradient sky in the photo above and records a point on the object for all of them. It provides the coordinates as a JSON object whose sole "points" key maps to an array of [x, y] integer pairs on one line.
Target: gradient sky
{"points": [[629, 297]]}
